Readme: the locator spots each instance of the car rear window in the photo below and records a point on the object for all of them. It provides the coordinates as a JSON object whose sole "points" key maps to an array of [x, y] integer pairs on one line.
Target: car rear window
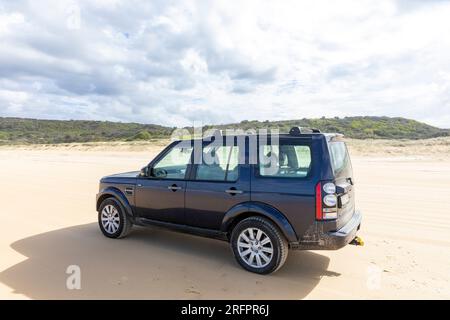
{"points": [[340, 159], [287, 160]]}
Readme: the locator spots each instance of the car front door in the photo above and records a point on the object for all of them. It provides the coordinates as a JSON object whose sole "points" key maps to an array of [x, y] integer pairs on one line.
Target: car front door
{"points": [[216, 187], [160, 195]]}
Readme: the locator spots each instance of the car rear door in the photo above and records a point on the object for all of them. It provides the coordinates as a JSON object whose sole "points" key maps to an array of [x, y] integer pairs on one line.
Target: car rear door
{"points": [[286, 182], [343, 179], [217, 185]]}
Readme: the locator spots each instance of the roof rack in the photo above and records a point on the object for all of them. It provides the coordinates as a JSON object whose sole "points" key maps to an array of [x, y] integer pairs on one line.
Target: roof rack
{"points": [[295, 131]]}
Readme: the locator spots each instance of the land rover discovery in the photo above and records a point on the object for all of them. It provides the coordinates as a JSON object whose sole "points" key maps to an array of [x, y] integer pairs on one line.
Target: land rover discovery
{"points": [[292, 191]]}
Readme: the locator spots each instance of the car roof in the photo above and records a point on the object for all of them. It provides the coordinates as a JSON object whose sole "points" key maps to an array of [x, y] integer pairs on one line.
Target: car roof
{"points": [[328, 136]]}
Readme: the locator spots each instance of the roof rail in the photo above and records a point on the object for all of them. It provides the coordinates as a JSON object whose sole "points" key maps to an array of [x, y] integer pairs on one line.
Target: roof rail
{"points": [[295, 131]]}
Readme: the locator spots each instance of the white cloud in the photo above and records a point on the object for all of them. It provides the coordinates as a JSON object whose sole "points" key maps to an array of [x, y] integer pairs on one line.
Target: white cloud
{"points": [[7, 21], [223, 61]]}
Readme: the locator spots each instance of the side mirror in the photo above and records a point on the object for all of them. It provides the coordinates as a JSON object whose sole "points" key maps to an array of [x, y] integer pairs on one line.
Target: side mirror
{"points": [[144, 172], [159, 173]]}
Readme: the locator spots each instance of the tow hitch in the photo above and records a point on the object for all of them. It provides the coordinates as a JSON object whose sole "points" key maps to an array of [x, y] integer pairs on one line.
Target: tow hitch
{"points": [[357, 241]]}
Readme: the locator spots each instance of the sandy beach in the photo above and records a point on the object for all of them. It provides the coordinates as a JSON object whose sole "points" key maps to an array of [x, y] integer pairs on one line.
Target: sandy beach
{"points": [[49, 223]]}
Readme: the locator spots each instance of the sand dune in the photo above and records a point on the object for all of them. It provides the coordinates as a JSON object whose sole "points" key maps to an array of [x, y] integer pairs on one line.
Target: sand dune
{"points": [[49, 222]]}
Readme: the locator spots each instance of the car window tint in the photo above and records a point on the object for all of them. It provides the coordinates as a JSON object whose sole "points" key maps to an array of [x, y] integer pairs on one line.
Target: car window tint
{"points": [[233, 164], [174, 164], [287, 160], [219, 164]]}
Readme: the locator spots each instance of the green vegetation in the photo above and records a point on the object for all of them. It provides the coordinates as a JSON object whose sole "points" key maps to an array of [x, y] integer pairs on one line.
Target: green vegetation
{"points": [[31, 131], [16, 130], [355, 127], [141, 135]]}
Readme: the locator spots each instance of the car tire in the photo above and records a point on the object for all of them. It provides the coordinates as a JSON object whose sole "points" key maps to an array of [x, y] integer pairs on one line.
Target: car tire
{"points": [[113, 220], [258, 245]]}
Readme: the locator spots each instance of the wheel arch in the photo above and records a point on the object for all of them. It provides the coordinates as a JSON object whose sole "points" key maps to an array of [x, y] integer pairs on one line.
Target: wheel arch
{"points": [[112, 192], [245, 210]]}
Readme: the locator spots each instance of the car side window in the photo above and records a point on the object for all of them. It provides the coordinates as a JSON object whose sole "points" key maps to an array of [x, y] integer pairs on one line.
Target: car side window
{"points": [[219, 164], [287, 160], [174, 164]]}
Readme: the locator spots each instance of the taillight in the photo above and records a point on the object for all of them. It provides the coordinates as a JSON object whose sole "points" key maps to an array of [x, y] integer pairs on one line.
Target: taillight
{"points": [[326, 206], [319, 213]]}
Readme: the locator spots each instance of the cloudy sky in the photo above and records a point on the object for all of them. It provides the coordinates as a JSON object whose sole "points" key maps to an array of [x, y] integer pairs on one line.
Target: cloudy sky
{"points": [[175, 62]]}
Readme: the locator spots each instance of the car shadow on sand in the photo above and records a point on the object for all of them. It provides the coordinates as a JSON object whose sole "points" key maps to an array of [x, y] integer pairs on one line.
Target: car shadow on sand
{"points": [[151, 263]]}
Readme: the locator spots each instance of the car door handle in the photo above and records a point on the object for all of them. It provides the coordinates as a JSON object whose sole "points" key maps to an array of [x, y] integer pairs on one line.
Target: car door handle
{"points": [[174, 187], [233, 191]]}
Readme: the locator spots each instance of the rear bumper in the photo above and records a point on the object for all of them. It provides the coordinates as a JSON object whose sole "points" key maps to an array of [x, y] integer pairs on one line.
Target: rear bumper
{"points": [[347, 233], [316, 239]]}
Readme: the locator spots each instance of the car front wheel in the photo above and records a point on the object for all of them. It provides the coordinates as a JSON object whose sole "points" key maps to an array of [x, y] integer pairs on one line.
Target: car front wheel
{"points": [[113, 220], [258, 245]]}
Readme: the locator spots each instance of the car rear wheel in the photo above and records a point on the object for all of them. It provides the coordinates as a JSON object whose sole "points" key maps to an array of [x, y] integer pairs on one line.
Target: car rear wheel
{"points": [[112, 219], [258, 245]]}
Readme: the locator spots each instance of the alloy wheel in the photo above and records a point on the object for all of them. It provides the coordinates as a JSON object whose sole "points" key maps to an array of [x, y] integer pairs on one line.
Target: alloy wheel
{"points": [[110, 219], [255, 247]]}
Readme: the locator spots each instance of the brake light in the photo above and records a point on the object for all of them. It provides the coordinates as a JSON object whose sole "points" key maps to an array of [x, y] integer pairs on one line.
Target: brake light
{"points": [[326, 207], [319, 212]]}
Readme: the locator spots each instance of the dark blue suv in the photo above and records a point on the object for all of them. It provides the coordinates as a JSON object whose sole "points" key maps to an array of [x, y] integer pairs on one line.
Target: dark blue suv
{"points": [[264, 195]]}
